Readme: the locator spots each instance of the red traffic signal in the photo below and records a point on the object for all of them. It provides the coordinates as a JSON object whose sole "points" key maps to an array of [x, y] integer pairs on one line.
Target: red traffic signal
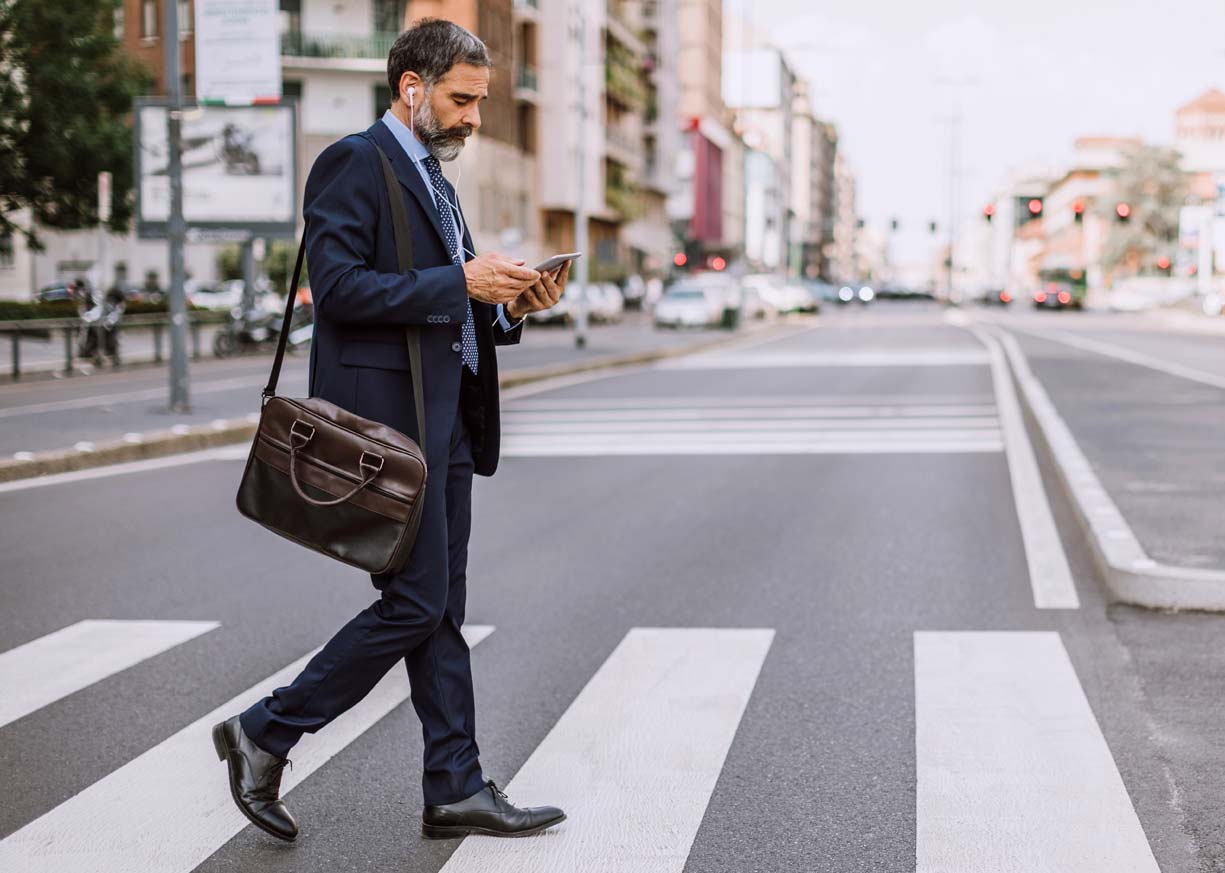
{"points": [[717, 263], [1163, 263], [989, 211], [1034, 206], [1123, 211], [679, 259]]}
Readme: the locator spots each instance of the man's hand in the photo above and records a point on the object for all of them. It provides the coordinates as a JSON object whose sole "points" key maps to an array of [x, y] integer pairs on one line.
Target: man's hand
{"points": [[498, 279], [544, 294]]}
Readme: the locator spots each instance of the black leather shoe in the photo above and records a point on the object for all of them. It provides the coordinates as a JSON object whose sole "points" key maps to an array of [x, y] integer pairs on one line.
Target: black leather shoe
{"points": [[255, 780], [487, 812]]}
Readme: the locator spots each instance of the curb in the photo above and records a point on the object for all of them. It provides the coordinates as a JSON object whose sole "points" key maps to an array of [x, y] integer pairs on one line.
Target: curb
{"points": [[1131, 576], [188, 438]]}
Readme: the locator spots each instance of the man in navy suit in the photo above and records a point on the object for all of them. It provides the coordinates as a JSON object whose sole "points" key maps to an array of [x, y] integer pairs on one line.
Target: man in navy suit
{"points": [[467, 304]]}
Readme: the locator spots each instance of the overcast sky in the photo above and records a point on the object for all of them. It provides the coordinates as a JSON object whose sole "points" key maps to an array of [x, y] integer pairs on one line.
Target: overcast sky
{"points": [[1037, 73]]}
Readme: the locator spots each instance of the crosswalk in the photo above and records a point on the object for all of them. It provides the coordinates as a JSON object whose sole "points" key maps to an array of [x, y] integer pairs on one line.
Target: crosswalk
{"points": [[1013, 773], [705, 425]]}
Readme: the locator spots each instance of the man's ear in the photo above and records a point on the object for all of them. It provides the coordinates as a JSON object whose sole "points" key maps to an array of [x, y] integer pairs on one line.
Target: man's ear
{"points": [[411, 80]]}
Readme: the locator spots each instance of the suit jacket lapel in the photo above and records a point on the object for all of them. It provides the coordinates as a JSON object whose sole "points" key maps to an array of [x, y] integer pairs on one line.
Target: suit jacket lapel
{"points": [[408, 175]]}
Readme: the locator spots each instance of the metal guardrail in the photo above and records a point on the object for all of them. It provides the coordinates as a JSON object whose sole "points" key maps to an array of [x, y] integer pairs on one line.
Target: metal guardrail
{"points": [[42, 329]]}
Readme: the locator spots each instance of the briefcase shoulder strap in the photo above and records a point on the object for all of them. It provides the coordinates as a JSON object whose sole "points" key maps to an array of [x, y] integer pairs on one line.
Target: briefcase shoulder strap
{"points": [[404, 254]]}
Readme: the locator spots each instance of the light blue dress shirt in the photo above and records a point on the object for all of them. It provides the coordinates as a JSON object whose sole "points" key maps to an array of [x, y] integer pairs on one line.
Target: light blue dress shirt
{"points": [[417, 152]]}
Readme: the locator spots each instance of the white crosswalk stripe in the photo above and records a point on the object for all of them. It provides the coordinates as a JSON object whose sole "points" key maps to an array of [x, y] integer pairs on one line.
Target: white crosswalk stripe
{"points": [[44, 670], [635, 758], [170, 808], [1014, 775], [712, 425]]}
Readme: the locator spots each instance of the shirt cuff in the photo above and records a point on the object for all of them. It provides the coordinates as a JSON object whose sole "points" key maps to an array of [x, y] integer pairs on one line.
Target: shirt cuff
{"points": [[501, 319]]}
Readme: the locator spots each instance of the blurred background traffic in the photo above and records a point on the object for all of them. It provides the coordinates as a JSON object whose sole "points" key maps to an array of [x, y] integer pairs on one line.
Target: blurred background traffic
{"points": [[728, 161]]}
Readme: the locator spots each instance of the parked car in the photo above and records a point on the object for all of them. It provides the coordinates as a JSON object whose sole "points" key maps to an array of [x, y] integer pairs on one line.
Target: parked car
{"points": [[608, 303], [1059, 295], [690, 304], [782, 295], [996, 297], [57, 291]]}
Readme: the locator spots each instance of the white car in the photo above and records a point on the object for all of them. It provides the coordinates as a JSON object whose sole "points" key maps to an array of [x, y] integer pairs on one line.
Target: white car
{"points": [[687, 304]]}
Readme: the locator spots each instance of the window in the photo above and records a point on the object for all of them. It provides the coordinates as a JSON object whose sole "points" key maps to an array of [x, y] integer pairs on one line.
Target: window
{"points": [[119, 20], [291, 89], [148, 19], [185, 18], [382, 100], [389, 16], [6, 251], [291, 16]]}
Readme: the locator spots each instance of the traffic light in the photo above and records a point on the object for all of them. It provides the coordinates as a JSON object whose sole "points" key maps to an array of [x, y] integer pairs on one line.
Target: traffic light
{"points": [[1078, 211], [1027, 209], [989, 212], [1122, 212], [1034, 206]]}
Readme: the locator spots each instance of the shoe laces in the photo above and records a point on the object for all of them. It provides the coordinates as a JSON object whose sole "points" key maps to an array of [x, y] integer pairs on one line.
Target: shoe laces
{"points": [[498, 792]]}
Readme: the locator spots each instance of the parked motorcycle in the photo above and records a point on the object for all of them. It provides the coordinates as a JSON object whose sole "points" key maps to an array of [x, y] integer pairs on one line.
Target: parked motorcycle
{"points": [[256, 327], [98, 335]]}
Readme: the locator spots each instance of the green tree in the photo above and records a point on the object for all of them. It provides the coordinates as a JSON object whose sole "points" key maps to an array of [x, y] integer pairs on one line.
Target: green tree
{"points": [[66, 91], [1152, 183]]}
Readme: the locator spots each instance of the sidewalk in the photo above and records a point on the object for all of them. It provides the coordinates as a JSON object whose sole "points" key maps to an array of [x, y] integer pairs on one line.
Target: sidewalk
{"points": [[1154, 438], [71, 423]]}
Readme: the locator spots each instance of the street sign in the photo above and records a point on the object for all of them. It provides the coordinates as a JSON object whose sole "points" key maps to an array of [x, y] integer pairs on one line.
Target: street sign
{"points": [[238, 52], [239, 169], [104, 197]]}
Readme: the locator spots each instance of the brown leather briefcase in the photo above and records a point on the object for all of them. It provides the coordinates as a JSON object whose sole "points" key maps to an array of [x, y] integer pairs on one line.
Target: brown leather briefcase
{"points": [[330, 480]]}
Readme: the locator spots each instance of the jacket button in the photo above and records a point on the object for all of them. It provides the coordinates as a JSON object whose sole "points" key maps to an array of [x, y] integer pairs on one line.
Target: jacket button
{"points": [[456, 347]]}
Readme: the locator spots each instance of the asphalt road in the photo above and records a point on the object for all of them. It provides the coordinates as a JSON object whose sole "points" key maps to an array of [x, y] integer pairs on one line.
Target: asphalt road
{"points": [[53, 414], [843, 488]]}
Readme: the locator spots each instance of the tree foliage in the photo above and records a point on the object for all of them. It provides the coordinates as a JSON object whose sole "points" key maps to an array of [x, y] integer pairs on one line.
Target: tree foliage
{"points": [[66, 91], [1152, 183]]}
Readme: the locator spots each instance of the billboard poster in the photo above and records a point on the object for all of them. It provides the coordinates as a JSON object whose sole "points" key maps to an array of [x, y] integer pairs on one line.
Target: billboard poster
{"points": [[238, 51], [239, 168]]}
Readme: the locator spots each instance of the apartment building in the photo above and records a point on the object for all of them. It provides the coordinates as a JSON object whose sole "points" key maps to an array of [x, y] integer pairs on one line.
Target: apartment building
{"points": [[759, 87], [812, 188]]}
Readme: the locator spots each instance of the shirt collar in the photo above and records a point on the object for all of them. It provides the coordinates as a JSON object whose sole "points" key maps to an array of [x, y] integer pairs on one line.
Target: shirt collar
{"points": [[408, 141]]}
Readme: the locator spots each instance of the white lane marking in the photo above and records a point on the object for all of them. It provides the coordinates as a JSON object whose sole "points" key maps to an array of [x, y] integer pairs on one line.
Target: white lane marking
{"points": [[816, 401], [848, 358], [1050, 577], [706, 413], [1125, 354], [634, 760], [42, 671], [650, 425], [222, 454], [136, 396], [185, 811], [1014, 775], [962, 444]]}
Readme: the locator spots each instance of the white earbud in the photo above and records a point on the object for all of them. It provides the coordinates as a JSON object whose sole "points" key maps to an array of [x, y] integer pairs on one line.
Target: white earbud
{"points": [[412, 110]]}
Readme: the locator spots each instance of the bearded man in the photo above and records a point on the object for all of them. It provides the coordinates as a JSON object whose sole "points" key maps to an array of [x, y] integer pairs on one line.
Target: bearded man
{"points": [[467, 305]]}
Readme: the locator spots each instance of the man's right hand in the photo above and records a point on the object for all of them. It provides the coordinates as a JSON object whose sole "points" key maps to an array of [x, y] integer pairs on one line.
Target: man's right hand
{"points": [[497, 278]]}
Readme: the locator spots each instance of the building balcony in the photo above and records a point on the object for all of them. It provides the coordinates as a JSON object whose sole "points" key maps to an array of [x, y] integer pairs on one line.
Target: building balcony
{"points": [[305, 48], [527, 84], [623, 84]]}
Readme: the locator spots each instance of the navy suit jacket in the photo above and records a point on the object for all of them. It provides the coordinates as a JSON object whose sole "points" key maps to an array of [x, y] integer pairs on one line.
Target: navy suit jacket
{"points": [[359, 359]]}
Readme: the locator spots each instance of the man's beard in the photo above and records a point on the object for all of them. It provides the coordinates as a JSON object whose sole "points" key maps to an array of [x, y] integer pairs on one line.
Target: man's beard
{"points": [[445, 144]]}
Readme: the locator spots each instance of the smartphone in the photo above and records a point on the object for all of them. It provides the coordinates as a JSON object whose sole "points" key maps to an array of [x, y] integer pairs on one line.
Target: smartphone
{"points": [[556, 261]]}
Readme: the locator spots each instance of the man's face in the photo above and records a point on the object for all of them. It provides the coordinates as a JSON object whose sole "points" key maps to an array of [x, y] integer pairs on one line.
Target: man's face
{"points": [[450, 112]]}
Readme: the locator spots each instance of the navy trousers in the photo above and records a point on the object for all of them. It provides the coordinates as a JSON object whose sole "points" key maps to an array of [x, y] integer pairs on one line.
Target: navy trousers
{"points": [[417, 619]]}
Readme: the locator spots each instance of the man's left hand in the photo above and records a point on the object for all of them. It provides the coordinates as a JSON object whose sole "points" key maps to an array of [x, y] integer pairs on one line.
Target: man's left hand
{"points": [[543, 295]]}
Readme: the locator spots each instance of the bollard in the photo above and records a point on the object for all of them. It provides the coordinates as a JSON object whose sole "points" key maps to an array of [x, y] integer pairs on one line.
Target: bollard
{"points": [[157, 343], [69, 348], [16, 337]]}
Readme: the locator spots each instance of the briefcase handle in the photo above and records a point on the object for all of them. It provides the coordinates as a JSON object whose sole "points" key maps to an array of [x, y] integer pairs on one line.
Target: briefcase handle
{"points": [[298, 439], [412, 333]]}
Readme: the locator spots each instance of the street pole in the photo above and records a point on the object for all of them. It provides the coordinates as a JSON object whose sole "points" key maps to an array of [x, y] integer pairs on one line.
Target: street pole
{"points": [[176, 226], [104, 217], [248, 275], [954, 131], [580, 207]]}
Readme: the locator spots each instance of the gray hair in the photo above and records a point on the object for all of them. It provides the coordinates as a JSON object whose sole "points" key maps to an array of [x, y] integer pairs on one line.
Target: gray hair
{"points": [[430, 48]]}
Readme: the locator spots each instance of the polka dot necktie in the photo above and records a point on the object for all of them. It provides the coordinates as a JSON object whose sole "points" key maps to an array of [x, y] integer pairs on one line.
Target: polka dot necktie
{"points": [[443, 192]]}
